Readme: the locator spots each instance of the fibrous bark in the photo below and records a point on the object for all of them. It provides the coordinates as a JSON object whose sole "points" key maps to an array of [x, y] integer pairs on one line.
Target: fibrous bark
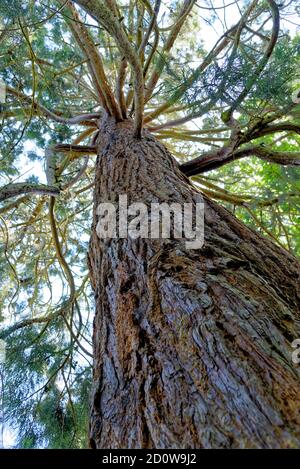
{"points": [[192, 348]]}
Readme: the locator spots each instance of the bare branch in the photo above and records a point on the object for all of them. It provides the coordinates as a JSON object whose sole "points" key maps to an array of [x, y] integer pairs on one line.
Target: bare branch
{"points": [[215, 159], [18, 188], [260, 130], [77, 149]]}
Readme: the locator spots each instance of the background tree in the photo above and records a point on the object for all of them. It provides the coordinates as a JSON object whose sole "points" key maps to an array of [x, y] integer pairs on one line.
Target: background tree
{"points": [[191, 348]]}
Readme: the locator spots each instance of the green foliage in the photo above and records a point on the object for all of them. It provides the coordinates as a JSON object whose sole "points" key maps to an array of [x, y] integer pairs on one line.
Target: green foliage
{"points": [[266, 182], [45, 411]]}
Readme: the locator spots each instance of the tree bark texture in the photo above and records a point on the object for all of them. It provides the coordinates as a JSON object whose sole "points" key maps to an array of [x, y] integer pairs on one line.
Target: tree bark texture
{"points": [[192, 348]]}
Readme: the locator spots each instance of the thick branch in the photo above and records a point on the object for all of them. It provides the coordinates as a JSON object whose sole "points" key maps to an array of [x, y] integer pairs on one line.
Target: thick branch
{"points": [[215, 159], [78, 149], [261, 130], [120, 87], [105, 13], [85, 41], [12, 190]]}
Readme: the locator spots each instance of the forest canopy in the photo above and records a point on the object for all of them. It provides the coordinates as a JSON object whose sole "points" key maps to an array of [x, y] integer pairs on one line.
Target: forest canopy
{"points": [[218, 83]]}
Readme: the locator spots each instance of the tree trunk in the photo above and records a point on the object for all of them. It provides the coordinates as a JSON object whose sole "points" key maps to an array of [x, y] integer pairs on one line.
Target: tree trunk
{"points": [[192, 348]]}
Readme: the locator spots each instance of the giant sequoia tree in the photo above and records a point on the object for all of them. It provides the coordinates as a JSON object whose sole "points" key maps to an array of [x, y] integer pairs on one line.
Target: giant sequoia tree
{"points": [[191, 348]]}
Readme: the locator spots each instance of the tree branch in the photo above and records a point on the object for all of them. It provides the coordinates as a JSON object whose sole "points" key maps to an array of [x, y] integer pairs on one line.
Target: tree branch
{"points": [[82, 119], [175, 30], [105, 12], [219, 47], [78, 149], [215, 159], [152, 24], [120, 85], [29, 322], [263, 62], [86, 43], [14, 189]]}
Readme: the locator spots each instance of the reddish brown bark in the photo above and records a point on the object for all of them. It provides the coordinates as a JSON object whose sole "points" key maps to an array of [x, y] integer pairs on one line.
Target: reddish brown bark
{"points": [[192, 347]]}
